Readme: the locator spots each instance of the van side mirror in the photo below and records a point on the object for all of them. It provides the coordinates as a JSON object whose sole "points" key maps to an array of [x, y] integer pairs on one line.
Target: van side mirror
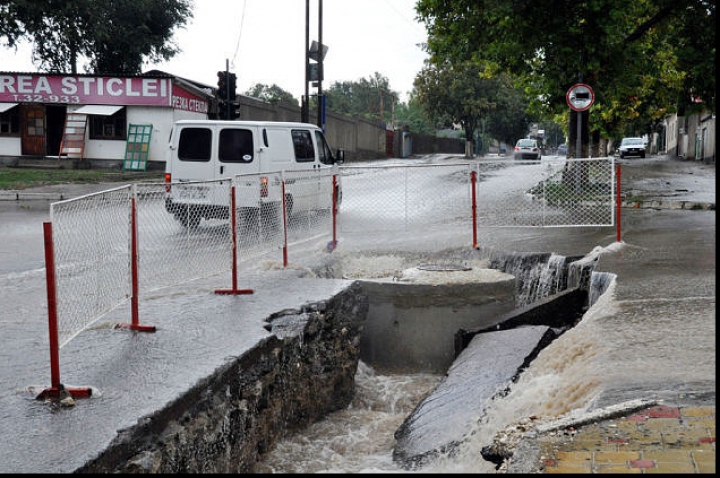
{"points": [[340, 156]]}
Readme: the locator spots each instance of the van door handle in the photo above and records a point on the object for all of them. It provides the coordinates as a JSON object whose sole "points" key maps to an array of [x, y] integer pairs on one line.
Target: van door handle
{"points": [[222, 169]]}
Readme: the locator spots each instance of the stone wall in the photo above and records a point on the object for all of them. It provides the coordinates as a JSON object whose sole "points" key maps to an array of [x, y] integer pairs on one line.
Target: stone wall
{"points": [[225, 423]]}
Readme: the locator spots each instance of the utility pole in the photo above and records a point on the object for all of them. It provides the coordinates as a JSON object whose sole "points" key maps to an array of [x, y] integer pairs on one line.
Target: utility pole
{"points": [[320, 102], [305, 109]]}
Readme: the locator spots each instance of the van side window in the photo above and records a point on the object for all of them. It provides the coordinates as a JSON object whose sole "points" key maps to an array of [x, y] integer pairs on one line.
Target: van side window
{"points": [[304, 149], [236, 146], [324, 152], [195, 144]]}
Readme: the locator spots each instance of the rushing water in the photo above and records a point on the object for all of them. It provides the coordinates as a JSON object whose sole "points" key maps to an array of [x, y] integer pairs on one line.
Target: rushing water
{"points": [[360, 438], [584, 368]]}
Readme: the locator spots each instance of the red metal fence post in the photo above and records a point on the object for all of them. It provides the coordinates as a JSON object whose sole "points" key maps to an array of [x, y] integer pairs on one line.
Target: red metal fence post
{"points": [[619, 204], [135, 320], [473, 183], [233, 225], [332, 245], [55, 386]]}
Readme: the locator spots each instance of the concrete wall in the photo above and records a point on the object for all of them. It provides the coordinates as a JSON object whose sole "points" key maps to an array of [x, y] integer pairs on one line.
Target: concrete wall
{"points": [[412, 320], [360, 138]]}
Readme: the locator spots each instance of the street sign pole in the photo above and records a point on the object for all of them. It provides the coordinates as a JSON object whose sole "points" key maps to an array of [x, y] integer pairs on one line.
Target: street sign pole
{"points": [[578, 151], [579, 97]]}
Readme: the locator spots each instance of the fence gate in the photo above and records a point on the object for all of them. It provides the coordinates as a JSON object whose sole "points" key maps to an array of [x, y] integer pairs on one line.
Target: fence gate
{"points": [[548, 193]]}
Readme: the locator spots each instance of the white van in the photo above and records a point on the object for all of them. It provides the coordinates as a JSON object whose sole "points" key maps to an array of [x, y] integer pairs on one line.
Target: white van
{"points": [[214, 152]]}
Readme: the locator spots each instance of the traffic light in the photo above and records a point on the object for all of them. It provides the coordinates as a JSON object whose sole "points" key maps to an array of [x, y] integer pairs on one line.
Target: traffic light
{"points": [[232, 85], [234, 110], [232, 106], [221, 95], [222, 84]]}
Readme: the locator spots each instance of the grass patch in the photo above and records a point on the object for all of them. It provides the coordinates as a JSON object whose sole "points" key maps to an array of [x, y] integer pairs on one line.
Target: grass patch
{"points": [[23, 178]]}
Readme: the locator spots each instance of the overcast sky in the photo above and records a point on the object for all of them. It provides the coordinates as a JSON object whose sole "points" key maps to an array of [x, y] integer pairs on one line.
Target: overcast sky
{"points": [[264, 42]]}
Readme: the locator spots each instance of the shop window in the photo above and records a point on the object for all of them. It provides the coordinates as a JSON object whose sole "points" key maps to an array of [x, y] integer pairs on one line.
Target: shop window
{"points": [[10, 122], [110, 127]]}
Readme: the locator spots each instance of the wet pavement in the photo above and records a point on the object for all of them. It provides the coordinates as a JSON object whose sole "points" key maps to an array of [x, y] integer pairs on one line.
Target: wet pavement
{"points": [[662, 198], [671, 261]]}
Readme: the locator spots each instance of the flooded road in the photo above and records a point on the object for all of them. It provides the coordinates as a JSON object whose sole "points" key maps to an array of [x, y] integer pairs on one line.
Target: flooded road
{"points": [[651, 336]]}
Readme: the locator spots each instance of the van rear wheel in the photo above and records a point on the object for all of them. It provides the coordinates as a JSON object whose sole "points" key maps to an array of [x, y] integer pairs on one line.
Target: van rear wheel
{"points": [[188, 218]]}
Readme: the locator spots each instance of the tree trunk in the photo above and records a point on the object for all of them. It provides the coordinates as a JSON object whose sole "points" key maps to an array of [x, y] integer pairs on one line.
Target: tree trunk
{"points": [[572, 135], [469, 153]]}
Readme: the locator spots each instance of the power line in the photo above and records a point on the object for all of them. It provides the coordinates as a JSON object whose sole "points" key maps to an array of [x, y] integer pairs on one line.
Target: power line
{"points": [[237, 47]]}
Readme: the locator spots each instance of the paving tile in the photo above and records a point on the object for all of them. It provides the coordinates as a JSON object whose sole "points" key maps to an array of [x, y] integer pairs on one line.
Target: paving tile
{"points": [[615, 469], [659, 440], [616, 457], [575, 456], [706, 467], [698, 412], [669, 456]]}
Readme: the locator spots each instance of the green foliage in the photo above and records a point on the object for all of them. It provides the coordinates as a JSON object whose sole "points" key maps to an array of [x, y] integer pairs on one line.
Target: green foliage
{"points": [[116, 37], [369, 98], [461, 93], [642, 58], [270, 94], [414, 117]]}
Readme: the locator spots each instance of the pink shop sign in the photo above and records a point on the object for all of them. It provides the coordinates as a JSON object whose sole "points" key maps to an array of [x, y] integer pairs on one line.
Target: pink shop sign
{"points": [[186, 101], [96, 90]]}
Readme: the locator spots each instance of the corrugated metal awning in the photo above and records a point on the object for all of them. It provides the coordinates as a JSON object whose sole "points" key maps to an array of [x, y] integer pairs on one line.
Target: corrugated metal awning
{"points": [[6, 106], [104, 110]]}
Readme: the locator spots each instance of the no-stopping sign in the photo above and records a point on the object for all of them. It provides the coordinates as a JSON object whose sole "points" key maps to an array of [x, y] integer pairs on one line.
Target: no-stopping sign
{"points": [[580, 97]]}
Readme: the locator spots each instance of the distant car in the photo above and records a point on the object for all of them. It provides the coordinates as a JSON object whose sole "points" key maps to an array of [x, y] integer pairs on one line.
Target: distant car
{"points": [[562, 150], [527, 148], [632, 147]]}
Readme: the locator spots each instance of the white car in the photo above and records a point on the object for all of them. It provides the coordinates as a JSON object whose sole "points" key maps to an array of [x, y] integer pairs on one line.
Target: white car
{"points": [[632, 147], [527, 148]]}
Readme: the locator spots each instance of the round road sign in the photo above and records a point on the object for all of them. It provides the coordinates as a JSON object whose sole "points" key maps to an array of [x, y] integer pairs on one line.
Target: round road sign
{"points": [[580, 97]]}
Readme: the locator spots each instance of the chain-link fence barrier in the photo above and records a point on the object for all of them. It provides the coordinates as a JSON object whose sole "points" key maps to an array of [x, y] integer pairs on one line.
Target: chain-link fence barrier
{"points": [[184, 232], [404, 198], [116, 245], [548, 193], [91, 239]]}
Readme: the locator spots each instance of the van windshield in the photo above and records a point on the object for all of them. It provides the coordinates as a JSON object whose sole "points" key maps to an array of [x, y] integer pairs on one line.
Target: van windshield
{"points": [[324, 151]]}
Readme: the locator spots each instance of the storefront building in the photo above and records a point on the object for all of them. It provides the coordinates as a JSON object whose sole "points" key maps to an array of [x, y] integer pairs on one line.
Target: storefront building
{"points": [[95, 118]]}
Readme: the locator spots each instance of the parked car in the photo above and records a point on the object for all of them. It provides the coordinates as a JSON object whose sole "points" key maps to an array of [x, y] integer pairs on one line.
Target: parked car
{"points": [[562, 150], [527, 148], [632, 147]]}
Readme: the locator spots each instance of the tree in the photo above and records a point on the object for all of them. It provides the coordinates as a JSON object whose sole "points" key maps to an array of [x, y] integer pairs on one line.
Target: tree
{"points": [[413, 116], [642, 58], [270, 94], [455, 93], [369, 98], [114, 36], [509, 121]]}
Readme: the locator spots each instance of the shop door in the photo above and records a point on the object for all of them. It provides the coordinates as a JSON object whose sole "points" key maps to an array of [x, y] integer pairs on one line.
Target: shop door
{"points": [[32, 124]]}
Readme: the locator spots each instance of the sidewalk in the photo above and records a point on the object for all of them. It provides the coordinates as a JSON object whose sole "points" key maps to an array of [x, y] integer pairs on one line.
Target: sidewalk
{"points": [[658, 439], [650, 437]]}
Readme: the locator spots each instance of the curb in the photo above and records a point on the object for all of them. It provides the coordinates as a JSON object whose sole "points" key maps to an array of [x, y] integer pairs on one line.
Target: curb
{"points": [[28, 196], [677, 205]]}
